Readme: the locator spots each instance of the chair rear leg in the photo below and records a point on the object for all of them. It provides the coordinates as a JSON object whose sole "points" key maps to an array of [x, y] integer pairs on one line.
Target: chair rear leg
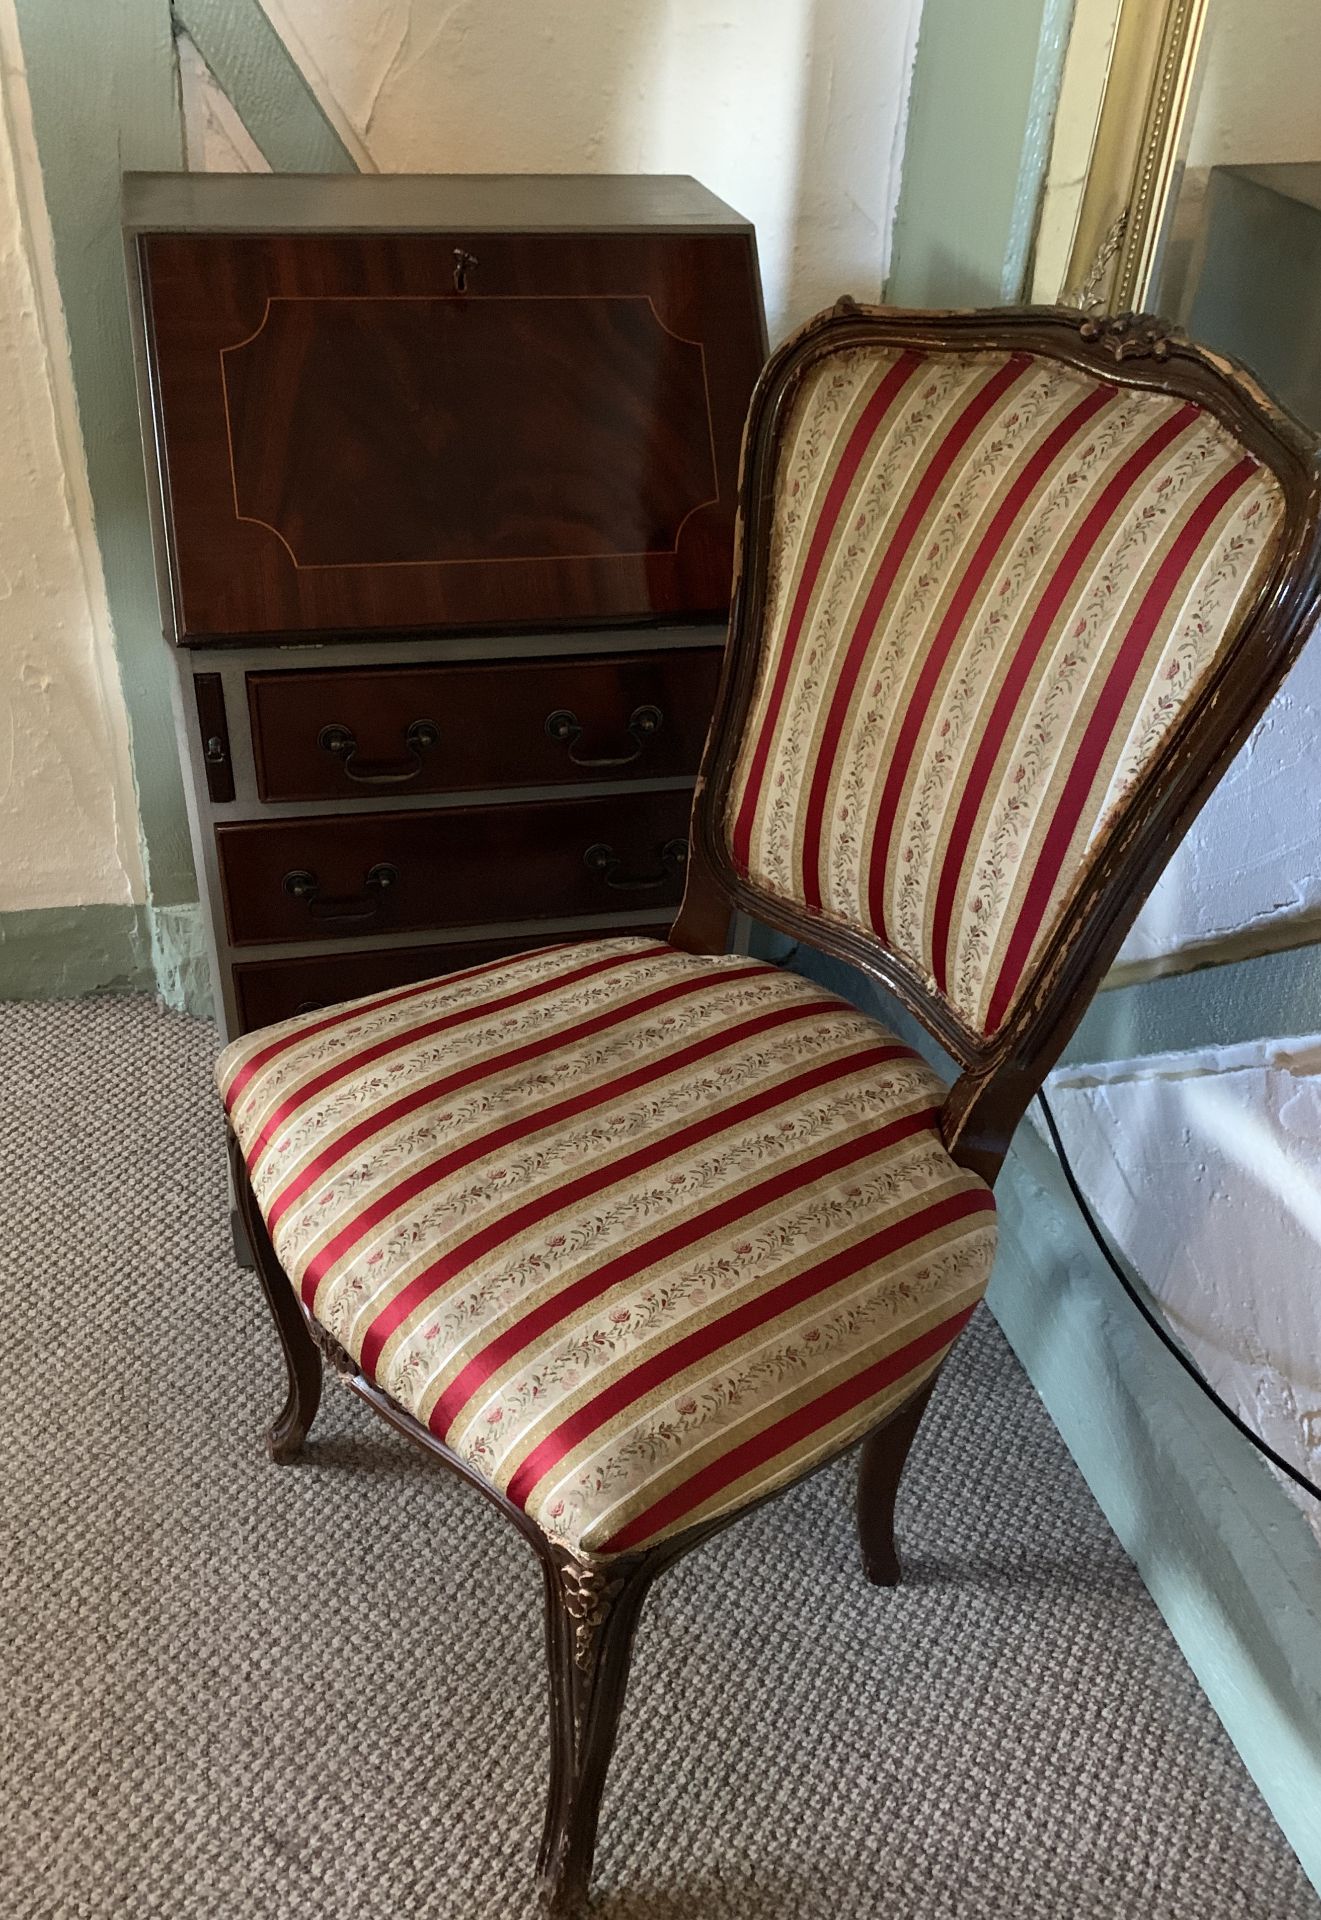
{"points": [[592, 1614], [879, 1471], [290, 1427]]}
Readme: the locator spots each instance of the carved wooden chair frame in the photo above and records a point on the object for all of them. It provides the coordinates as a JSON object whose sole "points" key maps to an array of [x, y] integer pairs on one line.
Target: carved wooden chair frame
{"points": [[592, 1610]]}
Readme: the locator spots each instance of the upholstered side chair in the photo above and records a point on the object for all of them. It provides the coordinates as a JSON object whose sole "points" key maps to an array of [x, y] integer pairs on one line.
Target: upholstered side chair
{"points": [[632, 1234]]}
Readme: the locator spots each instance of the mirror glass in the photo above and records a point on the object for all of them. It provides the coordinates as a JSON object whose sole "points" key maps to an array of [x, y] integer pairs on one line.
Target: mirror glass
{"points": [[1239, 264]]}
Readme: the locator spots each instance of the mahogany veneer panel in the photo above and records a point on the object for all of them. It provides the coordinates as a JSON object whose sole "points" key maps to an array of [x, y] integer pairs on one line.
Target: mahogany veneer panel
{"points": [[351, 443], [487, 724]]}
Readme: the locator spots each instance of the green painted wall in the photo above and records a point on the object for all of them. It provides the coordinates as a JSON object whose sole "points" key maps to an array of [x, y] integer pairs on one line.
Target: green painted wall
{"points": [[1224, 1552], [1270, 994], [985, 82]]}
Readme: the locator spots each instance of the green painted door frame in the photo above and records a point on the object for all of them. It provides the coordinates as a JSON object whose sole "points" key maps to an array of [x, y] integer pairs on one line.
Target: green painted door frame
{"points": [[981, 111]]}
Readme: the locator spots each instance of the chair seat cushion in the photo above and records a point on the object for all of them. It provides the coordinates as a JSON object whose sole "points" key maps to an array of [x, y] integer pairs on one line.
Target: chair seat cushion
{"points": [[638, 1234]]}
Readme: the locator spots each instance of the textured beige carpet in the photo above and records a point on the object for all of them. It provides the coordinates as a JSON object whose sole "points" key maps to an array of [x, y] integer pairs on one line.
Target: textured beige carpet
{"points": [[233, 1690]]}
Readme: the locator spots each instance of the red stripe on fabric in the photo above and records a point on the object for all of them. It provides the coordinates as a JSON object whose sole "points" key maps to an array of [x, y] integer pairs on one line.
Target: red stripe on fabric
{"points": [[1034, 639], [796, 1426], [934, 664], [860, 443], [351, 1063], [956, 438], [338, 1016], [1100, 728], [523, 1219], [432, 1091], [756, 1313], [537, 1121], [592, 1287]]}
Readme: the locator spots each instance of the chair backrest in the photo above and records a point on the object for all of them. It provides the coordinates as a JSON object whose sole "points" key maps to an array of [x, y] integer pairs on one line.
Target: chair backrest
{"points": [[1012, 588]]}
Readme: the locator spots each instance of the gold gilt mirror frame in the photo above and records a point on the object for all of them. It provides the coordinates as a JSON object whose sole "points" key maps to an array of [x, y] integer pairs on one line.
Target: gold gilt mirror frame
{"points": [[1136, 151]]}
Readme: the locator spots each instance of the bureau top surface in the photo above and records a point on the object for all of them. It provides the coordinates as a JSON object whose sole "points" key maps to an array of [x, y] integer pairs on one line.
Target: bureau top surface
{"points": [[367, 203]]}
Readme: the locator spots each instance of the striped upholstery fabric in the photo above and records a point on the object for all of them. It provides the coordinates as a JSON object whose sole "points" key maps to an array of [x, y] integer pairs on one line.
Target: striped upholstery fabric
{"points": [[994, 584], [639, 1234]]}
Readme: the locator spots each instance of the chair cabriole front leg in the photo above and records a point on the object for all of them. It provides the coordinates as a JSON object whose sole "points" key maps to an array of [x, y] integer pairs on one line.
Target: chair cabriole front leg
{"points": [[289, 1429], [880, 1468], [592, 1612]]}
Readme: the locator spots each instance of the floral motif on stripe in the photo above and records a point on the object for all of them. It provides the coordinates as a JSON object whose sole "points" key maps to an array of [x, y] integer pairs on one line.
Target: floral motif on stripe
{"points": [[963, 506], [625, 1469]]}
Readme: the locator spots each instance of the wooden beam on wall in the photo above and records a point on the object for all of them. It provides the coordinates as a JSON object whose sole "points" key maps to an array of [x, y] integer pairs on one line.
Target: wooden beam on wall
{"points": [[264, 85]]}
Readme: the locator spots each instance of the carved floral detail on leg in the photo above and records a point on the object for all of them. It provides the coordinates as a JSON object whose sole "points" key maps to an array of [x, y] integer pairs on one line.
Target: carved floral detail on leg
{"points": [[331, 1350], [588, 1594]]}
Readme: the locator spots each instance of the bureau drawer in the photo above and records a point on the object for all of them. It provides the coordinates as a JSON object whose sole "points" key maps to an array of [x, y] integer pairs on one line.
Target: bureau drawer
{"points": [[363, 730], [271, 990], [390, 872]]}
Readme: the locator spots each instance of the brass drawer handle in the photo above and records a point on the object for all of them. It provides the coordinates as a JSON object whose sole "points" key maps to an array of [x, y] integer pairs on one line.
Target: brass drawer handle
{"points": [[643, 724], [352, 911], [604, 860], [341, 743]]}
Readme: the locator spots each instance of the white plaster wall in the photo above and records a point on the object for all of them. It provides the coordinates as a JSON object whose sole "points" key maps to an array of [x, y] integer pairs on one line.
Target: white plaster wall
{"points": [[792, 110], [68, 821], [1206, 1168]]}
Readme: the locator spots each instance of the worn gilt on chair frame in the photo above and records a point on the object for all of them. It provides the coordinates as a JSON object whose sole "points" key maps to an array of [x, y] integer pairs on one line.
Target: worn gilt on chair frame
{"points": [[592, 1609]]}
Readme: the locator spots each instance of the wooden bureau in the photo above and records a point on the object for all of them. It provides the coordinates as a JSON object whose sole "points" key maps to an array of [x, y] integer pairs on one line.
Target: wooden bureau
{"points": [[443, 471]]}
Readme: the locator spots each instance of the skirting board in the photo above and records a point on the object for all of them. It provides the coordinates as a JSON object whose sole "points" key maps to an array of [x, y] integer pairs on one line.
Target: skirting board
{"points": [[60, 953], [57, 953]]}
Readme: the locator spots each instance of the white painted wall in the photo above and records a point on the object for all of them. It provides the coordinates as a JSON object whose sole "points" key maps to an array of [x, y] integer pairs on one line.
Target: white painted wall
{"points": [[792, 110], [68, 819], [1206, 1168]]}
